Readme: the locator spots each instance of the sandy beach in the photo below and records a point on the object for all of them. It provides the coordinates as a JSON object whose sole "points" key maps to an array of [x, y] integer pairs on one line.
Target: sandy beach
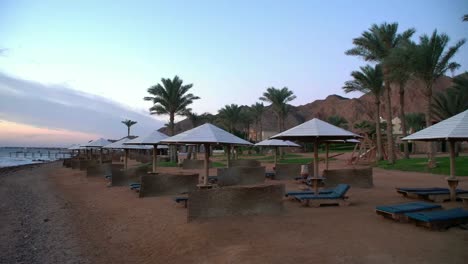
{"points": [[52, 214]]}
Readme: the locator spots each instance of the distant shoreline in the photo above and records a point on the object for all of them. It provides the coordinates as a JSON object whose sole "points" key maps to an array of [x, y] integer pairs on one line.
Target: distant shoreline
{"points": [[11, 169]]}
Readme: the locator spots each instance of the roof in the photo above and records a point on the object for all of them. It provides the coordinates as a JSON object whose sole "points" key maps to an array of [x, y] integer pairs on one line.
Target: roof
{"points": [[154, 138], [206, 133], [316, 129], [98, 143], [454, 128], [277, 143]]}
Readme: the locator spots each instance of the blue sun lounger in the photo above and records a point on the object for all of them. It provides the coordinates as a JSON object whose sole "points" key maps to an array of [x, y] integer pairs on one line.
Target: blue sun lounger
{"points": [[397, 211], [181, 199], [295, 193], [442, 219], [434, 194], [337, 196]]}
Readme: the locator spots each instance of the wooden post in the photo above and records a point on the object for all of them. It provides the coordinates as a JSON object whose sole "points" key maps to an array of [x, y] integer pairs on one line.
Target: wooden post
{"points": [[228, 156], [207, 163], [155, 157], [126, 158], [326, 156], [316, 160], [452, 180], [100, 155]]}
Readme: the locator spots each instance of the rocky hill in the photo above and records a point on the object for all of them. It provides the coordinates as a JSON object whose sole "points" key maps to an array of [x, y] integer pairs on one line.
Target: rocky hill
{"points": [[353, 110]]}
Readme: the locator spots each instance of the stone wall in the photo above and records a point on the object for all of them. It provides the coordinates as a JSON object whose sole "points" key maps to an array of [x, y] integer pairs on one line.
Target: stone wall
{"points": [[167, 184], [193, 164], [240, 176], [125, 177], [361, 178], [99, 170], [245, 163], [287, 171], [83, 164], [264, 199]]}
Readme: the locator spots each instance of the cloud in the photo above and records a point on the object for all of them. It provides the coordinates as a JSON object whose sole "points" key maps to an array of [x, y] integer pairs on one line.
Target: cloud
{"points": [[59, 107]]}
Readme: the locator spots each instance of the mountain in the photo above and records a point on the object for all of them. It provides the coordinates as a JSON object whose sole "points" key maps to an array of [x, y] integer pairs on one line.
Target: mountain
{"points": [[353, 110]]}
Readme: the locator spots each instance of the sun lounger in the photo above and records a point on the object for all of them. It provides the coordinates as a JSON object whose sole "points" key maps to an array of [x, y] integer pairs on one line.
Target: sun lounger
{"points": [[269, 174], [337, 196], [435, 194], [442, 219], [181, 200], [294, 193], [397, 211]]}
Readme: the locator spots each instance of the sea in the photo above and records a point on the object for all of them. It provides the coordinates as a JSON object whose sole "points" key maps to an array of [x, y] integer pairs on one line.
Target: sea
{"points": [[15, 156]]}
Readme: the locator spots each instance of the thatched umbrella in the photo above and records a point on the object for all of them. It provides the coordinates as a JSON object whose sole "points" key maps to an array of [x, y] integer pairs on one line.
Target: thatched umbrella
{"points": [[207, 135], [152, 139], [119, 144], [451, 130], [276, 143], [98, 143], [316, 131]]}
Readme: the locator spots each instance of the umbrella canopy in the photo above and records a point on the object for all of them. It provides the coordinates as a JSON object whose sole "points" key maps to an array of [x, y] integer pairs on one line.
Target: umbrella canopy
{"points": [[119, 144], [454, 128], [316, 131], [152, 139], [98, 143], [75, 147], [277, 143], [207, 135]]}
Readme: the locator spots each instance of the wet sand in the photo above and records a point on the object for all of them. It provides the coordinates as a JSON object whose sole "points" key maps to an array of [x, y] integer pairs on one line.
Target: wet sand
{"points": [[91, 223]]}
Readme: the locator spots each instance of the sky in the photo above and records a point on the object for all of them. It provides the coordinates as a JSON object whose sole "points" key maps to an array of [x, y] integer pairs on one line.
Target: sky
{"points": [[98, 58]]}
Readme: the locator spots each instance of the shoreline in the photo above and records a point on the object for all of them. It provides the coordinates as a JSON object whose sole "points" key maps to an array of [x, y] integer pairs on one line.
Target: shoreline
{"points": [[11, 169]]}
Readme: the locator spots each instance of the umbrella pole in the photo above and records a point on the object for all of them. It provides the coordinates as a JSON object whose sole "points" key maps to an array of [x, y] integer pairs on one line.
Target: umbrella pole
{"points": [[100, 156], [155, 157], [126, 158], [276, 155], [228, 156], [316, 161], [452, 181], [326, 156], [207, 157]]}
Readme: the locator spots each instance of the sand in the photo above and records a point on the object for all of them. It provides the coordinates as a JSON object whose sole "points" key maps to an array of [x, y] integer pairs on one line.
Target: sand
{"points": [[89, 222]]}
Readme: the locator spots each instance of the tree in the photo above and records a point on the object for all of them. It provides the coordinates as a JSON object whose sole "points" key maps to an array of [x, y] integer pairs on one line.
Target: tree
{"points": [[129, 123], [279, 99], [400, 63], [431, 59], [230, 116], [376, 45], [369, 80], [465, 18], [257, 110], [338, 121], [415, 122], [452, 101], [193, 117], [247, 118], [171, 98]]}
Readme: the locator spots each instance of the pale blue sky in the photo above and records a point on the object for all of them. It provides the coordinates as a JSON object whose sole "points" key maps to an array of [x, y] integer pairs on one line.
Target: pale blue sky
{"points": [[230, 50]]}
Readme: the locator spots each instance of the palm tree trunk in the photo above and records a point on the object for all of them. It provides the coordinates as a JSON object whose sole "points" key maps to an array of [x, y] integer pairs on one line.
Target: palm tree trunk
{"points": [[261, 130], [128, 131], [173, 156], [430, 145], [388, 106], [377, 130], [403, 120]]}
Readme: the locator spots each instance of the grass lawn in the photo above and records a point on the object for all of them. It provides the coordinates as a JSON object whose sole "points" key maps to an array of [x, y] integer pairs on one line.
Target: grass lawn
{"points": [[420, 165]]}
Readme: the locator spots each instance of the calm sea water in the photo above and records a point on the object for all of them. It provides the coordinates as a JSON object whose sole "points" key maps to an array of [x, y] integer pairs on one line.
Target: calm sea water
{"points": [[21, 156]]}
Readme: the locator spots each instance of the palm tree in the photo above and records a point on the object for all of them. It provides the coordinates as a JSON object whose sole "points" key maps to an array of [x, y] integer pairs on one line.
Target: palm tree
{"points": [[129, 123], [465, 18], [338, 121], [279, 99], [400, 63], [369, 80], [257, 110], [452, 101], [376, 45], [415, 122], [247, 118], [193, 117], [230, 116], [170, 98], [431, 59]]}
